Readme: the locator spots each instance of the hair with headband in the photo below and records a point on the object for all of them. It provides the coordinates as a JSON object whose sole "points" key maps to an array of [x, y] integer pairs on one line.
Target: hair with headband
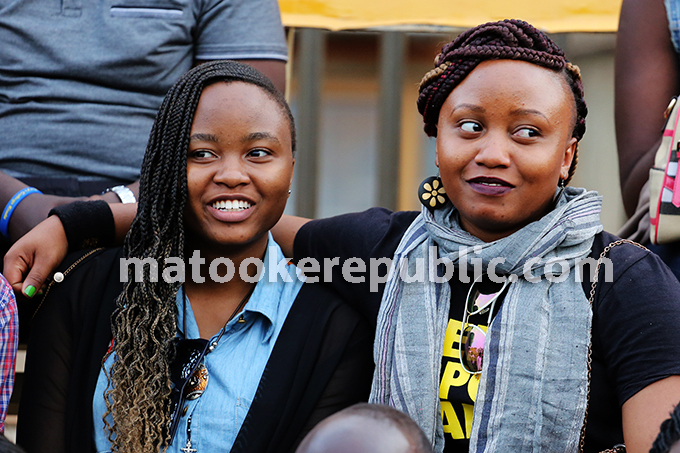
{"points": [[509, 39]]}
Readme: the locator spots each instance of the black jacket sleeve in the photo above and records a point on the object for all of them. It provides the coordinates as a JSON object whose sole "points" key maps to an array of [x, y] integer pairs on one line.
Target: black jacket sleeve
{"points": [[370, 235], [70, 334]]}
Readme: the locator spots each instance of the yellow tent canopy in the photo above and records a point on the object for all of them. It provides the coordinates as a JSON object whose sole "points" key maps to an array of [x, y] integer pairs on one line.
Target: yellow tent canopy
{"points": [[553, 16]]}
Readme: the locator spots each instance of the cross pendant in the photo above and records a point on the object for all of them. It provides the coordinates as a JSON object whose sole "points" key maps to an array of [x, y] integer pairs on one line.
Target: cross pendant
{"points": [[188, 448]]}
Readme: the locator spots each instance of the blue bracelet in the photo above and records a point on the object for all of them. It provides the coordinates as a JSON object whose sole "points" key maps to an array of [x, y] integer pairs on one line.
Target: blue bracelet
{"points": [[12, 205]]}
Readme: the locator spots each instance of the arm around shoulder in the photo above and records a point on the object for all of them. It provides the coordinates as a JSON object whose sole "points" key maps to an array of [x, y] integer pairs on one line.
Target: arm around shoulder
{"points": [[644, 412], [637, 319]]}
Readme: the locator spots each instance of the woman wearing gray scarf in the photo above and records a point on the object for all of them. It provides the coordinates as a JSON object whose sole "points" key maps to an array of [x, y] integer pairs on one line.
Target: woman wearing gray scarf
{"points": [[556, 364], [557, 375]]}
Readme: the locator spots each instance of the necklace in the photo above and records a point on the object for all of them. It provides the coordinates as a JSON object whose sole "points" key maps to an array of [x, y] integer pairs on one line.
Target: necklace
{"points": [[189, 448], [199, 379]]}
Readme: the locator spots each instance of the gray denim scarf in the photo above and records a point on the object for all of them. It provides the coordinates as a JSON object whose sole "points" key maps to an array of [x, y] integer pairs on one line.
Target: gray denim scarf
{"points": [[533, 390]]}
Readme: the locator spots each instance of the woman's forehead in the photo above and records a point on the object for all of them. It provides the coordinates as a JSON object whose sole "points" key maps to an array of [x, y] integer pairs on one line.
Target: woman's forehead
{"points": [[519, 81]]}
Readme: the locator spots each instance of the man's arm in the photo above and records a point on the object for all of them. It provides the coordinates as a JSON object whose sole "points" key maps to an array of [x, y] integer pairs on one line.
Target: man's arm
{"points": [[34, 208], [275, 70], [646, 77]]}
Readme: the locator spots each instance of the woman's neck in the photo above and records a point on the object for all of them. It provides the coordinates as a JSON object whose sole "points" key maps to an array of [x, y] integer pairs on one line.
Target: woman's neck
{"points": [[214, 281]]}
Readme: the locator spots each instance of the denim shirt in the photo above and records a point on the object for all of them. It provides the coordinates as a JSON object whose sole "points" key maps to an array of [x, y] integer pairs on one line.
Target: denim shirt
{"points": [[235, 366], [673, 14]]}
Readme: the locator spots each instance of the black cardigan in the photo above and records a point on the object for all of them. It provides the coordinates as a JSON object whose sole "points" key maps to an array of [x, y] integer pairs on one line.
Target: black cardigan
{"points": [[321, 363]]}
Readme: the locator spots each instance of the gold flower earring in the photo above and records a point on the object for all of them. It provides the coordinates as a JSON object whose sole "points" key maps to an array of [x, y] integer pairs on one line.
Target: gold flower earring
{"points": [[431, 193]]}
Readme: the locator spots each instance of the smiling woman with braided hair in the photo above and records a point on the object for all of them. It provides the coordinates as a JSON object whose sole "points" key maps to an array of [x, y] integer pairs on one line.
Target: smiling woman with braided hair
{"points": [[243, 362], [489, 345]]}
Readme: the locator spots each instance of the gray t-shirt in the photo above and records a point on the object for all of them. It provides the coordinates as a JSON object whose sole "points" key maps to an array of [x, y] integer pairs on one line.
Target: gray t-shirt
{"points": [[81, 80]]}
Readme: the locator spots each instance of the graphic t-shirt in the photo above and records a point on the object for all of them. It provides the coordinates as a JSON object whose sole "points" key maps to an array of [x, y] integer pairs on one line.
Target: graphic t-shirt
{"points": [[458, 387], [457, 390], [636, 303]]}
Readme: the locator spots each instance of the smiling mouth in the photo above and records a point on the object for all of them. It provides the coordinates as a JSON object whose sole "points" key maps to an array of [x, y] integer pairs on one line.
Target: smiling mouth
{"points": [[231, 205], [490, 182]]}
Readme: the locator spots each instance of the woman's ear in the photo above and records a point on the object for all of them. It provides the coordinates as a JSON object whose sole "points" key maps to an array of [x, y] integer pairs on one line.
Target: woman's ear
{"points": [[569, 154]]}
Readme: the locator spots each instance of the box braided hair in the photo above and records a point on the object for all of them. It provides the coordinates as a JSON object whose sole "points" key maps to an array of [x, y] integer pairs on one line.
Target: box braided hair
{"points": [[669, 433], [509, 39], [145, 320]]}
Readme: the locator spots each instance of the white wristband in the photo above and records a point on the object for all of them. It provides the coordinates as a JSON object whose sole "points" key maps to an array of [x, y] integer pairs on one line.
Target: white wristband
{"points": [[126, 195]]}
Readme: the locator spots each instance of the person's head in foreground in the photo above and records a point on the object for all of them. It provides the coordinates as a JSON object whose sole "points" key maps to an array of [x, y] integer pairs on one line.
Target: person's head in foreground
{"points": [[669, 435], [223, 124], [366, 428]]}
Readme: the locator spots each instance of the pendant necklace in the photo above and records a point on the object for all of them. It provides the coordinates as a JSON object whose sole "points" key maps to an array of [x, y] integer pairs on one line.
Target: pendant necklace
{"points": [[199, 379], [188, 448]]}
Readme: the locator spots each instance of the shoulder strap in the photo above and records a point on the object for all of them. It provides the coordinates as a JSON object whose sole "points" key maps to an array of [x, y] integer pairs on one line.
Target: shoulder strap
{"points": [[591, 299], [603, 255]]}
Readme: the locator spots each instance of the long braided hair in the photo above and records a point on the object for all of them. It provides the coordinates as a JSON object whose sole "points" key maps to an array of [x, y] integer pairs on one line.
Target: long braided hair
{"points": [[509, 39], [145, 320]]}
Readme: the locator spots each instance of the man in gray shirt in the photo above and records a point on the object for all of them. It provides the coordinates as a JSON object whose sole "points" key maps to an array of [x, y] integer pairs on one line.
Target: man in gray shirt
{"points": [[81, 81]]}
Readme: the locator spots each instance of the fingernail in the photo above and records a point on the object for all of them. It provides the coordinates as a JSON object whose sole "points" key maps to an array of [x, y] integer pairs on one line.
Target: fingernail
{"points": [[30, 291]]}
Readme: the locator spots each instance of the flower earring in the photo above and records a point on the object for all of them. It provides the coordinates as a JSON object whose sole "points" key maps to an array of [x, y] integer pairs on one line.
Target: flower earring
{"points": [[431, 193]]}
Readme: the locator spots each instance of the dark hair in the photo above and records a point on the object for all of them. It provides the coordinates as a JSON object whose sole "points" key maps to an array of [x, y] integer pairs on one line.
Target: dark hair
{"points": [[509, 39], [669, 434], [144, 322]]}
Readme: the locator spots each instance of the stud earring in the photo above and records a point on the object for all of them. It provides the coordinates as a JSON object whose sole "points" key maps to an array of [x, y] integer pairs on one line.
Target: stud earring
{"points": [[431, 193], [561, 184], [290, 191]]}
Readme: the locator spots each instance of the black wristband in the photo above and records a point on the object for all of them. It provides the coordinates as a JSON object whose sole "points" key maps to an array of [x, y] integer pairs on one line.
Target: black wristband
{"points": [[87, 224]]}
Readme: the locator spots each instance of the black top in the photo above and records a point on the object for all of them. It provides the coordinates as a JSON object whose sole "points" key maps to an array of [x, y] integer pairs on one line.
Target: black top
{"points": [[321, 363], [635, 317]]}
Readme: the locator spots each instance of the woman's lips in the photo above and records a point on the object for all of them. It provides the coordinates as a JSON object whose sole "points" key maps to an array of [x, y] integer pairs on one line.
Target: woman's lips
{"points": [[231, 210], [231, 216], [490, 186]]}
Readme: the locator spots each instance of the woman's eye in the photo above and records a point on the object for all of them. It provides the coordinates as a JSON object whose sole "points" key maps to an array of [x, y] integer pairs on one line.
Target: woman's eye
{"points": [[201, 154], [259, 153], [527, 132], [471, 126]]}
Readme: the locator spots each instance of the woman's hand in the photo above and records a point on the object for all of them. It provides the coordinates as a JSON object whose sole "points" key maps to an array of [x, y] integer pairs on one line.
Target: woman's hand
{"points": [[34, 257]]}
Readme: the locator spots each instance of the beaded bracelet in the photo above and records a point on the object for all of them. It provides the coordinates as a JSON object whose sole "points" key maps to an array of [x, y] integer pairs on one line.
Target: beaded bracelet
{"points": [[12, 205], [87, 224]]}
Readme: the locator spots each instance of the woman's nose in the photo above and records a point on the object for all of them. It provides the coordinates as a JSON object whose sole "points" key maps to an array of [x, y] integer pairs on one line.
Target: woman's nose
{"points": [[231, 172], [494, 151]]}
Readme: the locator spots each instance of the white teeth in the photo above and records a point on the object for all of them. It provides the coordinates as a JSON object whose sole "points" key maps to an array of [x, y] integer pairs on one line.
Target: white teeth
{"points": [[492, 184], [231, 205]]}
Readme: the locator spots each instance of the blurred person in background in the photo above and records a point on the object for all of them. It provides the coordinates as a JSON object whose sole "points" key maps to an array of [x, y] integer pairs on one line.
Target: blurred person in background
{"points": [[647, 76], [81, 82]]}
